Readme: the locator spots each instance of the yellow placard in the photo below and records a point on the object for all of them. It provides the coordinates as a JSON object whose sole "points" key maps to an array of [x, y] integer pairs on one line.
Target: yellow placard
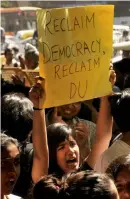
{"points": [[75, 46]]}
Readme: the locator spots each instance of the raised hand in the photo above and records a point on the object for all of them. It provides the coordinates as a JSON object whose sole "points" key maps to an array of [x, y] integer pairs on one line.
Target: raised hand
{"points": [[37, 92], [112, 76], [17, 80], [22, 62], [55, 117]]}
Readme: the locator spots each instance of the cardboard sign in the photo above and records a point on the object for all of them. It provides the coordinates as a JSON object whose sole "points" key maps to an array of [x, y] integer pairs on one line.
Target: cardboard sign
{"points": [[75, 46], [7, 72], [25, 75], [30, 76]]}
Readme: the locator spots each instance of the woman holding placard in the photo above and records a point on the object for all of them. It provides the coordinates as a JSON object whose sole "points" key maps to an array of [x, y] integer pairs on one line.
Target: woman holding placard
{"points": [[55, 150]]}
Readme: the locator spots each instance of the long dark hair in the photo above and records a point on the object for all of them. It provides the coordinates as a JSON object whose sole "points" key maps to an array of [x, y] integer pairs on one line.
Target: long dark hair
{"points": [[56, 134]]}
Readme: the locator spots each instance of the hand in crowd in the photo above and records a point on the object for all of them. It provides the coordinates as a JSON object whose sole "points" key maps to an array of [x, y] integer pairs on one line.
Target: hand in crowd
{"points": [[22, 62], [112, 76], [55, 117], [37, 92], [17, 80], [81, 129]]}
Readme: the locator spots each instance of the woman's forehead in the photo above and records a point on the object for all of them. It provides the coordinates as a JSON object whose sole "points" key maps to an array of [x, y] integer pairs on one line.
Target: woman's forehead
{"points": [[11, 151], [68, 139]]}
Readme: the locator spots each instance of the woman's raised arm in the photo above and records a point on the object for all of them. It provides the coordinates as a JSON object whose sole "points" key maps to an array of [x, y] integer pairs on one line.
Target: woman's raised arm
{"points": [[103, 128], [39, 135]]}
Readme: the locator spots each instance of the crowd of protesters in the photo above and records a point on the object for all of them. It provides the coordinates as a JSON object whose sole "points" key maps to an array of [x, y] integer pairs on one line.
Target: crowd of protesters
{"points": [[78, 150]]}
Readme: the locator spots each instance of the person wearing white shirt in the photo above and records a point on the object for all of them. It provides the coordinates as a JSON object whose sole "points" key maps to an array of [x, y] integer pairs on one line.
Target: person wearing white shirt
{"points": [[10, 61]]}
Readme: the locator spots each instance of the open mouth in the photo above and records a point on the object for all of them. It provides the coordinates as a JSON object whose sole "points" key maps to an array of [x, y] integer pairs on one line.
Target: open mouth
{"points": [[71, 161], [11, 182]]}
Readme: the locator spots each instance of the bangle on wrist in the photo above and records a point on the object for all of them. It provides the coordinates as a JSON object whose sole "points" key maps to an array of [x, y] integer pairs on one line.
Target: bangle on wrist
{"points": [[37, 109]]}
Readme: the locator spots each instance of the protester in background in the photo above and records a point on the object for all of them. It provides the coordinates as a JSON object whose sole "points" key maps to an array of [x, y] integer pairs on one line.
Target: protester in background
{"points": [[119, 170], [120, 109], [10, 61], [122, 69], [80, 185], [16, 115], [31, 57], [30, 62], [16, 53], [85, 112], [10, 165]]}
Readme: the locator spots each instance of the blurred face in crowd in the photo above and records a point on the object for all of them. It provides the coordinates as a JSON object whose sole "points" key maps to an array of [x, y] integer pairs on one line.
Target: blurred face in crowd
{"points": [[30, 62], [10, 168], [123, 183], [68, 155], [9, 56], [69, 111]]}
